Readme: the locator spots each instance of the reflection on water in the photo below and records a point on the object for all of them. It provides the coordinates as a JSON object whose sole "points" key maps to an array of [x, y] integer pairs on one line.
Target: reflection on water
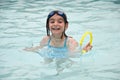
{"points": [[22, 23]]}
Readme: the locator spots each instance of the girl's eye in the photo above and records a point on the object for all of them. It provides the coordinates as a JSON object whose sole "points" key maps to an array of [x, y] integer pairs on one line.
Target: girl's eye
{"points": [[52, 21], [60, 21]]}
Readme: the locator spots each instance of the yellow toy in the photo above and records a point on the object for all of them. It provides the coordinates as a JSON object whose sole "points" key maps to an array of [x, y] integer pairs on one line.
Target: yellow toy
{"points": [[83, 37]]}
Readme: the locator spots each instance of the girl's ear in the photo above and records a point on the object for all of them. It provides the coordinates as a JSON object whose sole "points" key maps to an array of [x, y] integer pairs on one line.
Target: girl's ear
{"points": [[66, 26]]}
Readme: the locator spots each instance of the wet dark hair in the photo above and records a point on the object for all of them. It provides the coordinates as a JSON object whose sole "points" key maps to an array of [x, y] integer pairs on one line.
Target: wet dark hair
{"points": [[60, 13]]}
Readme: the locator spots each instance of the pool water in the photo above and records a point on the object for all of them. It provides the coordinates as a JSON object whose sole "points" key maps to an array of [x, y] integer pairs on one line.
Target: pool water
{"points": [[22, 24]]}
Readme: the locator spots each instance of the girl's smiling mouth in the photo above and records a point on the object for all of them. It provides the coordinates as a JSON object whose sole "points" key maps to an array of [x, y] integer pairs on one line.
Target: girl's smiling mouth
{"points": [[55, 28]]}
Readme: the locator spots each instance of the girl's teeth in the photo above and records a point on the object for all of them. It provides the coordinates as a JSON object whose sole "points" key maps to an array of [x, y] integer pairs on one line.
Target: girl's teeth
{"points": [[55, 28]]}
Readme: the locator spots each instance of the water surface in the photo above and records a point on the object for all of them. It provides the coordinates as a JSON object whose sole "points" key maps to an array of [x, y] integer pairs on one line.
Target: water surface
{"points": [[22, 23]]}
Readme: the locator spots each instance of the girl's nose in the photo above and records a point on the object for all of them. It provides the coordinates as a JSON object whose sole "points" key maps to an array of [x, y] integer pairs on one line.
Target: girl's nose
{"points": [[56, 23]]}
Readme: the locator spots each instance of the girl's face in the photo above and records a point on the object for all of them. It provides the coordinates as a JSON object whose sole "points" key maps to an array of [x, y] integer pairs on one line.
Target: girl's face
{"points": [[57, 25]]}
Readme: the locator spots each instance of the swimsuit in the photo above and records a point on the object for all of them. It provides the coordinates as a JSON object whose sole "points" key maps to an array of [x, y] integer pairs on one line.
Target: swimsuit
{"points": [[54, 52], [58, 52]]}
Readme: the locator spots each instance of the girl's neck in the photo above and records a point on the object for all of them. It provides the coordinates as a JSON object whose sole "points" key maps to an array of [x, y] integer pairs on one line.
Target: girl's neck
{"points": [[57, 41], [57, 38]]}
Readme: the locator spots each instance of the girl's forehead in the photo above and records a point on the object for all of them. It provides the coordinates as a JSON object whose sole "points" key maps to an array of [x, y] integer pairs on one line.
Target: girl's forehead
{"points": [[54, 17]]}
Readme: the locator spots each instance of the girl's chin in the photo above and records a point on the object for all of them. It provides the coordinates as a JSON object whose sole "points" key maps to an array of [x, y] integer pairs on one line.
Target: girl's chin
{"points": [[56, 33]]}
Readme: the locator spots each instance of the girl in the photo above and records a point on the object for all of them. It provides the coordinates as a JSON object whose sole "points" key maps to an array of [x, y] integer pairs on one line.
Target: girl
{"points": [[57, 40]]}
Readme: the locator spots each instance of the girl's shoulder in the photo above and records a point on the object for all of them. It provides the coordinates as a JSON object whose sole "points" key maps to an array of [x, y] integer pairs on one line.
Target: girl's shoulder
{"points": [[45, 37], [44, 40], [71, 40], [72, 44]]}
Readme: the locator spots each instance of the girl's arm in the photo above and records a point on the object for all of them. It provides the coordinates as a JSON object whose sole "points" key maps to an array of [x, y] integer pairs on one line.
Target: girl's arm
{"points": [[33, 49], [74, 47], [43, 43]]}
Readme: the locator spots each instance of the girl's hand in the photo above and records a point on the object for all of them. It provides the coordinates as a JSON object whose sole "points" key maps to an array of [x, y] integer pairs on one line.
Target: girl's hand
{"points": [[32, 49], [27, 49], [88, 47]]}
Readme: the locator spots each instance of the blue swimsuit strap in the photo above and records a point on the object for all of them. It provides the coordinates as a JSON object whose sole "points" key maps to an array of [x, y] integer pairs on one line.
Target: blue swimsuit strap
{"points": [[65, 41]]}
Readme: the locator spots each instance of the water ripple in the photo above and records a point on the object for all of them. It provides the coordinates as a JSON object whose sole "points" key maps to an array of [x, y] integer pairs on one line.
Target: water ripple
{"points": [[22, 22]]}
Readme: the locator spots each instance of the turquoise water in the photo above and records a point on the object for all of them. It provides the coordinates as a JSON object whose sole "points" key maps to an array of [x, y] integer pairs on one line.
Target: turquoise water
{"points": [[22, 24]]}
